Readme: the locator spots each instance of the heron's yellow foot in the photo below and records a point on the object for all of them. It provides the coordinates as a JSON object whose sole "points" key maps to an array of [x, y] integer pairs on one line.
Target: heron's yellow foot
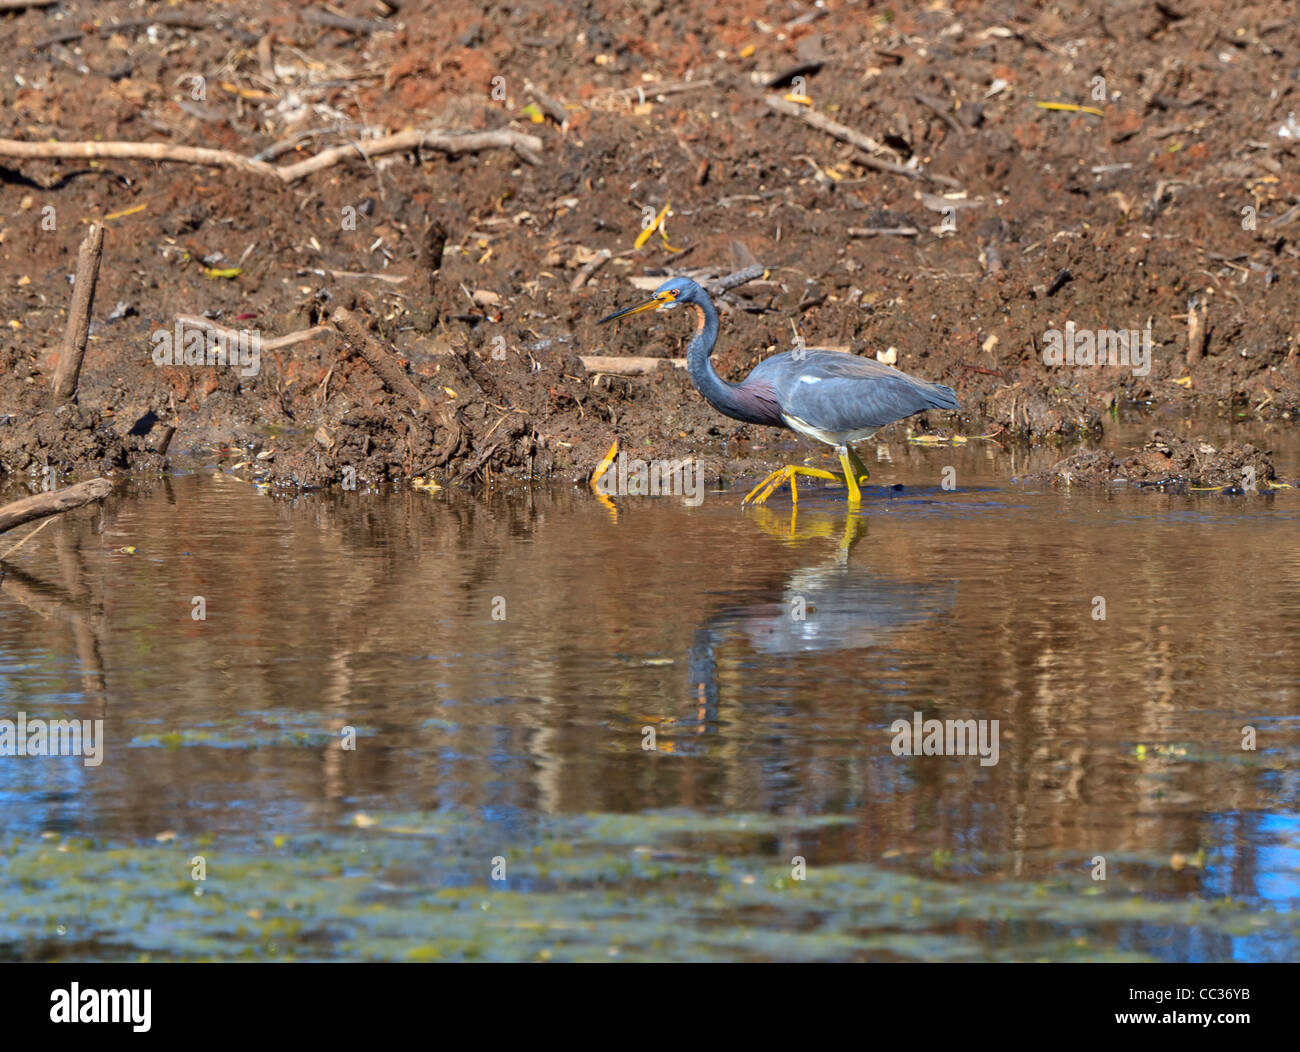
{"points": [[859, 467], [774, 481], [850, 476]]}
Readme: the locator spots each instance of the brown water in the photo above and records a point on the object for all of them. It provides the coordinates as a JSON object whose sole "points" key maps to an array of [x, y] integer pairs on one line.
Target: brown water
{"points": [[501, 658]]}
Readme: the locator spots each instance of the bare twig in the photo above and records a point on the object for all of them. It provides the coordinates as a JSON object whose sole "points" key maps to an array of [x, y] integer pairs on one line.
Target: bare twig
{"points": [[617, 365], [276, 343], [135, 151], [174, 19], [823, 123], [78, 330], [868, 148], [737, 278], [348, 275], [164, 443], [653, 90], [42, 504], [1198, 333], [549, 105], [594, 264], [25, 539], [265, 58], [351, 25], [18, 5], [884, 231], [527, 146], [940, 109]]}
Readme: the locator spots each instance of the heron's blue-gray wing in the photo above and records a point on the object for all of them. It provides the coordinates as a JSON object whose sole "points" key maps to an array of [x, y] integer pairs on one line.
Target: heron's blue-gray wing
{"points": [[840, 392]]}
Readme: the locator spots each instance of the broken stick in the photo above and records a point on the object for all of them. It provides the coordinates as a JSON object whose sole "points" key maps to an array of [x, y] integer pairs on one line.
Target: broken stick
{"points": [[381, 360], [833, 128], [592, 265], [884, 231], [78, 330], [527, 146], [630, 365], [275, 343], [867, 147], [42, 504], [737, 278], [1198, 332]]}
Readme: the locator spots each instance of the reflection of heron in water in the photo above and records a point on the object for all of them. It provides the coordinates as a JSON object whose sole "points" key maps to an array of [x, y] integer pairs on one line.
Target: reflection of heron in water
{"points": [[830, 605]]}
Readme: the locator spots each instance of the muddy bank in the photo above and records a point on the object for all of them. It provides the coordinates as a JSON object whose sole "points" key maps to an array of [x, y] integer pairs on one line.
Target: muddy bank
{"points": [[1156, 194], [1173, 463]]}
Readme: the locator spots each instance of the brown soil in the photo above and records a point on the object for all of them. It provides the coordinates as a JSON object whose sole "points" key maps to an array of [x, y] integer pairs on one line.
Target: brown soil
{"points": [[1171, 462], [1129, 219]]}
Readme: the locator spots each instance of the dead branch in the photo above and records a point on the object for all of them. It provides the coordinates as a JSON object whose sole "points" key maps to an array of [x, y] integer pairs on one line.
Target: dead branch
{"points": [[832, 128], [526, 146], [276, 343], [135, 151], [78, 330], [884, 231], [868, 148], [616, 365], [548, 104], [940, 109], [60, 500], [737, 278], [656, 90], [380, 359], [351, 25], [594, 264], [165, 441], [18, 5], [1198, 332]]}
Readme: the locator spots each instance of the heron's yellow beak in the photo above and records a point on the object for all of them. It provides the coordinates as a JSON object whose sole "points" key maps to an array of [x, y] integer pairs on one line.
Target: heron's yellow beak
{"points": [[657, 300]]}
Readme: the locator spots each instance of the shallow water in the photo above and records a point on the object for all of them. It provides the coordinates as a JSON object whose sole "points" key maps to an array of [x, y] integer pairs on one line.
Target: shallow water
{"points": [[503, 658]]}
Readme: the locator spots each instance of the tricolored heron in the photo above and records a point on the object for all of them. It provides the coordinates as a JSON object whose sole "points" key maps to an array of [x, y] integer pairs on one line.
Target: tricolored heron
{"points": [[833, 397]]}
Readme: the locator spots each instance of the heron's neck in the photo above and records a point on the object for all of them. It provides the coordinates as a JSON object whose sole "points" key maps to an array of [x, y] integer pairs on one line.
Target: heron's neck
{"points": [[699, 363]]}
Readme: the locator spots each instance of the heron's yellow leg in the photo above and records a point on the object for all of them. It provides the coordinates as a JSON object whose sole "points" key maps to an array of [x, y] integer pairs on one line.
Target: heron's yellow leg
{"points": [[774, 481], [855, 494], [858, 466]]}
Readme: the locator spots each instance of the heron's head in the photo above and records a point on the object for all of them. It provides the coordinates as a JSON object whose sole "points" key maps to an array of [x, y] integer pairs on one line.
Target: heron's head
{"points": [[672, 293]]}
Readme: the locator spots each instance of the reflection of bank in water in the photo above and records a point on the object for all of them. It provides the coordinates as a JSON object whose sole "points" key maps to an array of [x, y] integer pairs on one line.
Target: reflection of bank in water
{"points": [[832, 604]]}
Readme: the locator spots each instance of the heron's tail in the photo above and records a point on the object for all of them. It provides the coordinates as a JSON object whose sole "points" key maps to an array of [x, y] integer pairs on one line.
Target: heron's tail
{"points": [[941, 397]]}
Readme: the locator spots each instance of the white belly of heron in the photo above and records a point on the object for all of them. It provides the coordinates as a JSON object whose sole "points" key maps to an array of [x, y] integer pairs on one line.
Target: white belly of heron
{"points": [[831, 438]]}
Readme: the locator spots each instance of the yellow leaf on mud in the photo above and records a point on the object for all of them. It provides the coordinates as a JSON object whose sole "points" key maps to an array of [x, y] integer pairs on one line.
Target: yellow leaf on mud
{"points": [[248, 93], [125, 212]]}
